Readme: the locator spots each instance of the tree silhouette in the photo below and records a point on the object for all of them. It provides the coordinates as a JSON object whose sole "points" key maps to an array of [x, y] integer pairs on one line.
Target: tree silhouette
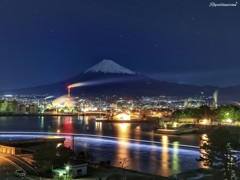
{"points": [[123, 164], [217, 152]]}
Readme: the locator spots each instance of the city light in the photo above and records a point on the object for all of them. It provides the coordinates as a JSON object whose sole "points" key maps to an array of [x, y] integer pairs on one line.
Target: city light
{"points": [[67, 167], [204, 121], [122, 116], [175, 124]]}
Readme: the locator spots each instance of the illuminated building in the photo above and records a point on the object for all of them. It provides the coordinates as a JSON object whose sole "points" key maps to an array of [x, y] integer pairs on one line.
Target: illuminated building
{"points": [[121, 116]]}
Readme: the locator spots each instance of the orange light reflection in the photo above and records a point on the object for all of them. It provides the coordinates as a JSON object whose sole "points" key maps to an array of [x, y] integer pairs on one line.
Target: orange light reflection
{"points": [[164, 156], [123, 130]]}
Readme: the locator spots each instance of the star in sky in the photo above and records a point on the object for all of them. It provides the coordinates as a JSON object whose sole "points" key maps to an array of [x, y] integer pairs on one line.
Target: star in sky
{"points": [[45, 41]]}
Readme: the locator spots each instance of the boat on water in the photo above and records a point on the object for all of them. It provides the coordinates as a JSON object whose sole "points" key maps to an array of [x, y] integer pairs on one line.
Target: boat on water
{"points": [[101, 118], [185, 129]]}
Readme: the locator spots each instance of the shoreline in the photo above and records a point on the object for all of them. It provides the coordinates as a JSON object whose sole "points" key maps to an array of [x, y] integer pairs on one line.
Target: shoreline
{"points": [[126, 121], [79, 114], [41, 114]]}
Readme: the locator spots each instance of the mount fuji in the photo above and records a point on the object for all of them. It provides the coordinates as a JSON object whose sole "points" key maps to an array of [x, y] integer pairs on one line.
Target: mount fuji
{"points": [[109, 78], [109, 66]]}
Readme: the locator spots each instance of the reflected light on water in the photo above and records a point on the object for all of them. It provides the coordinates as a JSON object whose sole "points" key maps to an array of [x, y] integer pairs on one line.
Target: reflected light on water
{"points": [[58, 120], [137, 132], [204, 138], [123, 127], [58, 124], [164, 156], [42, 122], [137, 151], [123, 130], [175, 158], [67, 125], [145, 150], [164, 140], [161, 157], [85, 120], [98, 127]]}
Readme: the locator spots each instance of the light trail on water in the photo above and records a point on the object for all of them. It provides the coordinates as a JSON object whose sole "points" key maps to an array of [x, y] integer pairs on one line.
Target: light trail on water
{"points": [[126, 140], [151, 156]]}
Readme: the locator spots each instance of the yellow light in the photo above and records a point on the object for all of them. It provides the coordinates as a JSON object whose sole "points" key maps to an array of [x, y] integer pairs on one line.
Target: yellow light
{"points": [[175, 124], [123, 116], [164, 139], [204, 121], [85, 110], [123, 127], [67, 168], [59, 144], [204, 137], [138, 128]]}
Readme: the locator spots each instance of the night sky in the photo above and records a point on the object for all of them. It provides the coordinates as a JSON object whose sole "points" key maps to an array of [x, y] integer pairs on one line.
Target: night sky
{"points": [[46, 41]]}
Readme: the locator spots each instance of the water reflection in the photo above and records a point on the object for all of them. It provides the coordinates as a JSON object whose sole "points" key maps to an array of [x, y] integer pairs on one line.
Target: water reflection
{"points": [[98, 128], [122, 130], [58, 128], [42, 122], [203, 138], [136, 153], [175, 158], [164, 156], [67, 125], [145, 150], [85, 120], [82, 123]]}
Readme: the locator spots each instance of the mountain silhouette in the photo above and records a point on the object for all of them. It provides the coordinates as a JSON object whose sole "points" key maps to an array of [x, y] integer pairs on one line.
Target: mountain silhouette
{"points": [[109, 78]]}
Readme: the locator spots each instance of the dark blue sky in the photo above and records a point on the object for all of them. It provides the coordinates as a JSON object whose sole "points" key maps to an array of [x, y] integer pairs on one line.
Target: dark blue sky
{"points": [[45, 41]]}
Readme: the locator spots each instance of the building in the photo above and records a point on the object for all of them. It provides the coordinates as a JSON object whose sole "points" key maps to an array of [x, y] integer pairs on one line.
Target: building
{"points": [[22, 109], [33, 108], [76, 170]]}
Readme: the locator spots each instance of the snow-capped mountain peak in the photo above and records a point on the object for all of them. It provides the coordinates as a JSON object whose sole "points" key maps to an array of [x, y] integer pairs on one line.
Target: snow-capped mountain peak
{"points": [[109, 66]]}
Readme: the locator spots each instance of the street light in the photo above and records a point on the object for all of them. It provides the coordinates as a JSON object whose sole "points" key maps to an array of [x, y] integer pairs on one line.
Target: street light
{"points": [[67, 169]]}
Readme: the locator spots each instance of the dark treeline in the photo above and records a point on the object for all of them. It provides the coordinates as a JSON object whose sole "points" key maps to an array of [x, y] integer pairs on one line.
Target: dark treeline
{"points": [[221, 114]]}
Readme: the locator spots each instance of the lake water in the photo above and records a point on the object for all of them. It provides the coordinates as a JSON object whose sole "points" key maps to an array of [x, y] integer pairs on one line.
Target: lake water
{"points": [[145, 150]]}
